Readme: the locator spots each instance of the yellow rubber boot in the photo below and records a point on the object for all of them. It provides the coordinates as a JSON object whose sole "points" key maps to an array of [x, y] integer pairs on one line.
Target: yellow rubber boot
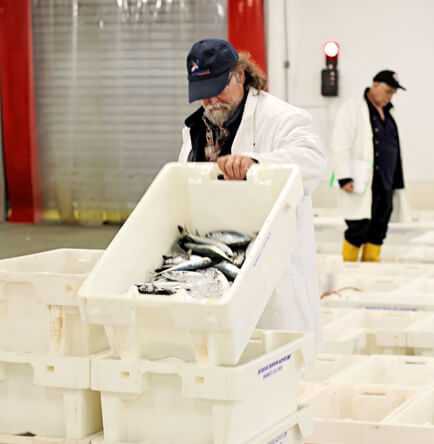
{"points": [[371, 253], [350, 253]]}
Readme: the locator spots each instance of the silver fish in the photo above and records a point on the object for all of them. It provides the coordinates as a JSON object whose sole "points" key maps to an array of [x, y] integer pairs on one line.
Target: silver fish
{"points": [[207, 250], [175, 260], [228, 269], [171, 261], [188, 237], [182, 276], [234, 239], [155, 288], [194, 263]]}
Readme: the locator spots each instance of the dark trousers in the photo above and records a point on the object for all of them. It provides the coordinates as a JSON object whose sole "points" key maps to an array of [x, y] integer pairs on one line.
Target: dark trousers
{"points": [[372, 230]]}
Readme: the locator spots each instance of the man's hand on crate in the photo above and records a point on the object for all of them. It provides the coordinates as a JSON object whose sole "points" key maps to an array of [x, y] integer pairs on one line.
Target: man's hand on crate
{"points": [[235, 166]]}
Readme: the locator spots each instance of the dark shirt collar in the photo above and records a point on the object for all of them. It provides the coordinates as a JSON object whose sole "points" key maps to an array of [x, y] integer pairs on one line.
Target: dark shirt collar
{"points": [[387, 108]]}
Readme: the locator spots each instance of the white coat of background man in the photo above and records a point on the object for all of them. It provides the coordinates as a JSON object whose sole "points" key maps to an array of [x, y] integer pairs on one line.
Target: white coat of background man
{"points": [[239, 124], [368, 166]]}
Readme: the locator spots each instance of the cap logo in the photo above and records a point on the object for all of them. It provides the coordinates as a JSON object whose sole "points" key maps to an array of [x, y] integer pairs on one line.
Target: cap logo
{"points": [[395, 76], [196, 72]]}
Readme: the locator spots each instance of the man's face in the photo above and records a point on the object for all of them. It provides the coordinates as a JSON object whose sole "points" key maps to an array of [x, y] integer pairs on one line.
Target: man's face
{"points": [[382, 93], [218, 109]]}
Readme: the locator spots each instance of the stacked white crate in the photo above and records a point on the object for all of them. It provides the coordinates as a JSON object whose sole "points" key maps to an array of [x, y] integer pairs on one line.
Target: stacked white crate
{"points": [[363, 331], [401, 287], [385, 308], [319, 374], [45, 348], [351, 414], [199, 365], [371, 400], [170, 401]]}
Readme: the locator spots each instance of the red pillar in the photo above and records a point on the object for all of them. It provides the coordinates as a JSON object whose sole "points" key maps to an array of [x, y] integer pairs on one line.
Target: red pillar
{"points": [[246, 24], [18, 110]]}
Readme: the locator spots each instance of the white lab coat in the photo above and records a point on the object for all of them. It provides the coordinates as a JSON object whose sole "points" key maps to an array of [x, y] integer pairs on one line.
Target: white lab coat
{"points": [[272, 131], [353, 151]]}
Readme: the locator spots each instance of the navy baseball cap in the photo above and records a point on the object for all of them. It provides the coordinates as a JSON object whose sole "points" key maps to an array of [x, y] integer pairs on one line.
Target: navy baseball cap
{"points": [[209, 63], [389, 78]]}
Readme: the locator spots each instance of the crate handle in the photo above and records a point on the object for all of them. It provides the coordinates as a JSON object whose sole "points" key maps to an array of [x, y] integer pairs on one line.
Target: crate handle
{"points": [[415, 363], [379, 394]]}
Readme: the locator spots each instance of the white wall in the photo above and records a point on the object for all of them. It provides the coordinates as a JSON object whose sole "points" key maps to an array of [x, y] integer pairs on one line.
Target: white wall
{"points": [[373, 35]]}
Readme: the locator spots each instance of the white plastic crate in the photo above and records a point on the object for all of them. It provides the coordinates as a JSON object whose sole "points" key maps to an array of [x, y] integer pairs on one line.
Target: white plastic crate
{"points": [[370, 332], [393, 300], [379, 320], [334, 263], [423, 285], [325, 367], [292, 430], [335, 275], [39, 310], [49, 397], [369, 342], [420, 336], [354, 415], [372, 342], [329, 315], [213, 331], [367, 282], [401, 371], [14, 439], [424, 239], [170, 401], [413, 422]]}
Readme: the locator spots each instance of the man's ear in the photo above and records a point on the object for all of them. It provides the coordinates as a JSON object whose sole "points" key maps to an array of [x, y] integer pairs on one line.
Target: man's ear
{"points": [[240, 76]]}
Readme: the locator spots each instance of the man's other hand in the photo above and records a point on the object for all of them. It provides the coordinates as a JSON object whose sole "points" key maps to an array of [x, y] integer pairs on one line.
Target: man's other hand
{"points": [[235, 166]]}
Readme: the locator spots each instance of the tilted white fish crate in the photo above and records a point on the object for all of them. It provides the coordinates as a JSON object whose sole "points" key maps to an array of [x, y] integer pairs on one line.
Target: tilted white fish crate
{"points": [[39, 306], [47, 396], [171, 401], [209, 330]]}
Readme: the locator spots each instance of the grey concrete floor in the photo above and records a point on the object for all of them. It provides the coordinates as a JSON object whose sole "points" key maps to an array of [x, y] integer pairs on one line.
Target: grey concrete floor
{"points": [[20, 239]]}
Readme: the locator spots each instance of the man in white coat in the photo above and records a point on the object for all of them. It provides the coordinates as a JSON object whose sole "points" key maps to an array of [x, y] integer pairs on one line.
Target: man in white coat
{"points": [[239, 124], [368, 166]]}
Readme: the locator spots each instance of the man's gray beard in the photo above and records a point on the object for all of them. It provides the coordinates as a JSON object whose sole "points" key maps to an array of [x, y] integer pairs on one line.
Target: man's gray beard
{"points": [[219, 115]]}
